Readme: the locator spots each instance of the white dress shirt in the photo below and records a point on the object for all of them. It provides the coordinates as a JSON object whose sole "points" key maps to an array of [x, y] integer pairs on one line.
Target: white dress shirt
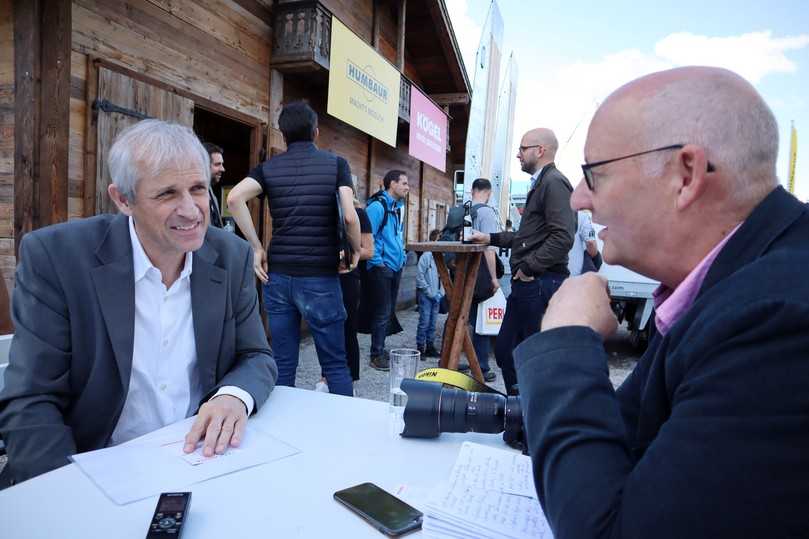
{"points": [[164, 385]]}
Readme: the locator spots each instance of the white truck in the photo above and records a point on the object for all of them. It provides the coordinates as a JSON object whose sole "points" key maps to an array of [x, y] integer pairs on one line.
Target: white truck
{"points": [[632, 299]]}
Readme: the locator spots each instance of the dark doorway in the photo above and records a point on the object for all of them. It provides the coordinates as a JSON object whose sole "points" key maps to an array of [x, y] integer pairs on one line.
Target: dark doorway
{"points": [[234, 138]]}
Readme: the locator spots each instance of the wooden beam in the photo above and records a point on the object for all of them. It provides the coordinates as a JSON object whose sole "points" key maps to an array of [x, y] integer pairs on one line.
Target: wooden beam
{"points": [[27, 71], [90, 138], [458, 98], [54, 128], [401, 12], [377, 24], [256, 9]]}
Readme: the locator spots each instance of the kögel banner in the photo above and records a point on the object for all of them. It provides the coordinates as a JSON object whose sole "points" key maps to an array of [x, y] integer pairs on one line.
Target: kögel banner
{"points": [[428, 131], [363, 86]]}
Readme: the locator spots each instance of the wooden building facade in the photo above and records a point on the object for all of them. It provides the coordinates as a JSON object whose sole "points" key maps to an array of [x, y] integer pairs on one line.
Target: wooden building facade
{"points": [[74, 74]]}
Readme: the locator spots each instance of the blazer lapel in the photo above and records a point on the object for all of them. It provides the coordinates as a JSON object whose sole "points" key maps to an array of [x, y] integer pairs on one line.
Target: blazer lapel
{"points": [[114, 282], [211, 307]]}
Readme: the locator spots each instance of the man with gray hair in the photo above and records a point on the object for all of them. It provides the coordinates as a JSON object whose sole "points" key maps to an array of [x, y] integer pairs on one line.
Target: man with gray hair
{"points": [[708, 436], [126, 323]]}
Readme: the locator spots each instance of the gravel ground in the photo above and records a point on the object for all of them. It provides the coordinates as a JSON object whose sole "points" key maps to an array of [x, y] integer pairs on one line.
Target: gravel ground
{"points": [[373, 384]]}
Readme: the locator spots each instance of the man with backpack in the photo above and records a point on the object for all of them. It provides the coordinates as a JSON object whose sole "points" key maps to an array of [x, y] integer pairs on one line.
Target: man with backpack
{"points": [[538, 249], [384, 269], [485, 220]]}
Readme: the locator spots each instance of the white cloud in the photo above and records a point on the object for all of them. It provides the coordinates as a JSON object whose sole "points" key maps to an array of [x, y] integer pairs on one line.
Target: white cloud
{"points": [[753, 55], [565, 99]]}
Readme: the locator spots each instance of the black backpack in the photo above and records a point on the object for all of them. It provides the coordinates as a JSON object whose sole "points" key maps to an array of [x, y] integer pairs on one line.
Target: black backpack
{"points": [[377, 197], [452, 230]]}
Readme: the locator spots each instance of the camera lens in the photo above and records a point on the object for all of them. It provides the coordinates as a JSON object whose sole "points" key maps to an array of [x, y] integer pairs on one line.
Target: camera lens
{"points": [[432, 409]]}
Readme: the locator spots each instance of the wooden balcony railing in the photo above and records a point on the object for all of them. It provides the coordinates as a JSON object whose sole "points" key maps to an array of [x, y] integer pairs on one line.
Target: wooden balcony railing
{"points": [[302, 39], [302, 43]]}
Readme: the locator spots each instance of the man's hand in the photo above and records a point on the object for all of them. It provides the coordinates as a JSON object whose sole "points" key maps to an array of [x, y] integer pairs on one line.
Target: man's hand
{"points": [[495, 285], [523, 277], [480, 237], [581, 301], [260, 264], [221, 421], [355, 259]]}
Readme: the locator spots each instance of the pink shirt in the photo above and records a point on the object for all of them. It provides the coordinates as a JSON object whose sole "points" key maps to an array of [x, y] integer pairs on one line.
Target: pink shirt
{"points": [[671, 304]]}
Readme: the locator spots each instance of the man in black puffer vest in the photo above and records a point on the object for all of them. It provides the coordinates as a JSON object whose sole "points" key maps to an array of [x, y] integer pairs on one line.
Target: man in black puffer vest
{"points": [[299, 270]]}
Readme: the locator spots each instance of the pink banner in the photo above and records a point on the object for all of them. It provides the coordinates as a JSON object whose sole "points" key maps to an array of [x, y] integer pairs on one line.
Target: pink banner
{"points": [[428, 131]]}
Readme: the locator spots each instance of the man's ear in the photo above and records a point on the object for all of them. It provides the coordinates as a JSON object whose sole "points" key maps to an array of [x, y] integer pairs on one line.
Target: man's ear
{"points": [[691, 175], [121, 202]]}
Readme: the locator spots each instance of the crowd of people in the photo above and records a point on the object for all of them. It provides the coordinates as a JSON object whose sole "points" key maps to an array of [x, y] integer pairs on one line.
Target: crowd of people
{"points": [[153, 315]]}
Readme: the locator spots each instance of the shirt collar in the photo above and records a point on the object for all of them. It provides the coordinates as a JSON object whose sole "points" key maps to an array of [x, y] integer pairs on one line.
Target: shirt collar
{"points": [[670, 304], [141, 262], [535, 176]]}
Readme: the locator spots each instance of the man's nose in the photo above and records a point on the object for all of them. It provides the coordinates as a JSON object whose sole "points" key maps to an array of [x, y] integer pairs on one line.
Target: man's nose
{"points": [[187, 207], [581, 197]]}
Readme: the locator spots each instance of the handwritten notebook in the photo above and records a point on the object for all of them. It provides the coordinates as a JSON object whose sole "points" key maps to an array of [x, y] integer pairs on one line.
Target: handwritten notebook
{"points": [[489, 494]]}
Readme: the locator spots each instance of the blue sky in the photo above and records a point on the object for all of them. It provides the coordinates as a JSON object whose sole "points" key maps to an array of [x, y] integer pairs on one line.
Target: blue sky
{"points": [[571, 55]]}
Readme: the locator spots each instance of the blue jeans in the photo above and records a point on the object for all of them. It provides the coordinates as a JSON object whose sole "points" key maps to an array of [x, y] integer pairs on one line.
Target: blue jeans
{"points": [[525, 306], [479, 342], [319, 301], [428, 313], [383, 292]]}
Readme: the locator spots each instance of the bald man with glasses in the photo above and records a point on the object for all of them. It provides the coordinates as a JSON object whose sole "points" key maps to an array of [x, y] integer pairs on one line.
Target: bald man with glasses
{"points": [[539, 248], [708, 435]]}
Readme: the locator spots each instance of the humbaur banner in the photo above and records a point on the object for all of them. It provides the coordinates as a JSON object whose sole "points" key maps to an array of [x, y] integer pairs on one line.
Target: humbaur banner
{"points": [[428, 131], [363, 86]]}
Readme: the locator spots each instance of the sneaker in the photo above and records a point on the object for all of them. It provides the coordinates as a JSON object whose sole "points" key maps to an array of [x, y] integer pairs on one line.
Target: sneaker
{"points": [[431, 351], [322, 387], [490, 376], [463, 368], [422, 351], [381, 363]]}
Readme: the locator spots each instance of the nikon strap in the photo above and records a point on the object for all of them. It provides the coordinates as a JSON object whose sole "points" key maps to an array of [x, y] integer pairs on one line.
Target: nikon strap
{"points": [[455, 379]]}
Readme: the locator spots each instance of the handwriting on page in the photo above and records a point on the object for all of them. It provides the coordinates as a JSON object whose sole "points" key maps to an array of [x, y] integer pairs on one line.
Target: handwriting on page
{"points": [[488, 468], [496, 512]]}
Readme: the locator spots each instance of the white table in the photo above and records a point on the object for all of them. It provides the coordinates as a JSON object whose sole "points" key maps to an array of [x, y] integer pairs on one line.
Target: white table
{"points": [[343, 441]]}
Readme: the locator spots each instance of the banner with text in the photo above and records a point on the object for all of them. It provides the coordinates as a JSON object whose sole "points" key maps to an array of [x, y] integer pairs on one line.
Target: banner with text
{"points": [[363, 87], [428, 131]]}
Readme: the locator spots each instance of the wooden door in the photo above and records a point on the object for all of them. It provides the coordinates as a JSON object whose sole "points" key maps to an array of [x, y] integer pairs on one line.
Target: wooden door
{"points": [[128, 101]]}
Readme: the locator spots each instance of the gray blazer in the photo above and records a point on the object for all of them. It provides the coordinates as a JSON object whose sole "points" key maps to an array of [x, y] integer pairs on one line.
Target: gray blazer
{"points": [[74, 315]]}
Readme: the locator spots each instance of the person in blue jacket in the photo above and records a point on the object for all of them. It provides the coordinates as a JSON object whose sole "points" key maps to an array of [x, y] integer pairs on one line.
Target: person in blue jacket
{"points": [[709, 435], [384, 269]]}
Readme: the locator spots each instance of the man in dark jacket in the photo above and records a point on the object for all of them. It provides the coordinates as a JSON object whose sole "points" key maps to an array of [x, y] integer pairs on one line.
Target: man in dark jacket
{"points": [[708, 436], [538, 249], [299, 269]]}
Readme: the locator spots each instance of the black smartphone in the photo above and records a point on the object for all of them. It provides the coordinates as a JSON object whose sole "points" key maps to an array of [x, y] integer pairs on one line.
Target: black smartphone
{"points": [[380, 509]]}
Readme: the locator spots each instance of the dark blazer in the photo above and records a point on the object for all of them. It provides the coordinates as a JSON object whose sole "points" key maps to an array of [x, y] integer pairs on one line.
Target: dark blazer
{"points": [[546, 229], [709, 435], [74, 316]]}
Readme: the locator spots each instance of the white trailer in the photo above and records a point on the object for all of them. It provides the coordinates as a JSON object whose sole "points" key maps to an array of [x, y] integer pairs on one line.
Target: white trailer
{"points": [[632, 299]]}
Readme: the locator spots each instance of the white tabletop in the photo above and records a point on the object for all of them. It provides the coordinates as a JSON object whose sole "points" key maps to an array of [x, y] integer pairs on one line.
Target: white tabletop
{"points": [[343, 441]]}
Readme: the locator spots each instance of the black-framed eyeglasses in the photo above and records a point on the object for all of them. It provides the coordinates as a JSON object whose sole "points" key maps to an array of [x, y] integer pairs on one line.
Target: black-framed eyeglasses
{"points": [[587, 168], [523, 148]]}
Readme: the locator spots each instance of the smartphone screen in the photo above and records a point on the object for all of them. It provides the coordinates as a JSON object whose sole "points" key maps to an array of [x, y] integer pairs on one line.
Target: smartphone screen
{"points": [[383, 510]]}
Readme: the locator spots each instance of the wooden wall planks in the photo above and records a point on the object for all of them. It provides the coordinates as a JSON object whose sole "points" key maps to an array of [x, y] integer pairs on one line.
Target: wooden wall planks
{"points": [[7, 258], [216, 50]]}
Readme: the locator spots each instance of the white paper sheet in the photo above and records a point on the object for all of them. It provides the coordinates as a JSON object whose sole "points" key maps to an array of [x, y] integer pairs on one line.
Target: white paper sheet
{"points": [[485, 467], [156, 463], [490, 494]]}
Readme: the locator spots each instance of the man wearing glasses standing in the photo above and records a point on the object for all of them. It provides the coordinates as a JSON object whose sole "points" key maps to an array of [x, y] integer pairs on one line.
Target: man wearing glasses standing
{"points": [[538, 249]]}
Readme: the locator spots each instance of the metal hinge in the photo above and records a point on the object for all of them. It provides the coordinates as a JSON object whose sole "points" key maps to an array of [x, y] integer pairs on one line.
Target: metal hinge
{"points": [[106, 106]]}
